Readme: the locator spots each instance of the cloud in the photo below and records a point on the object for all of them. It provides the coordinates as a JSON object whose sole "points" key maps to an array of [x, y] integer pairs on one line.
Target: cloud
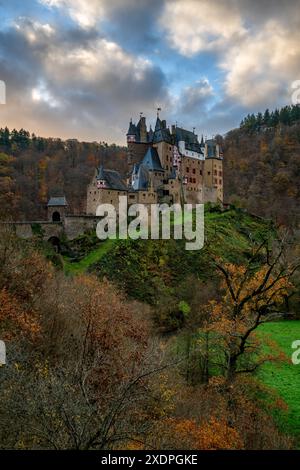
{"points": [[193, 26], [82, 68], [260, 70], [85, 13], [88, 88], [195, 98], [256, 44]]}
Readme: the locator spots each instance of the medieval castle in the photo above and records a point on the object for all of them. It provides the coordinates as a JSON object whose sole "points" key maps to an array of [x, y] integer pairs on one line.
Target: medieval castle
{"points": [[169, 166], [166, 165]]}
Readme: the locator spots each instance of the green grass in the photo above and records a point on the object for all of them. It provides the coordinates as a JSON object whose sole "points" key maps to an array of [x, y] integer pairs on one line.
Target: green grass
{"points": [[285, 378], [93, 257]]}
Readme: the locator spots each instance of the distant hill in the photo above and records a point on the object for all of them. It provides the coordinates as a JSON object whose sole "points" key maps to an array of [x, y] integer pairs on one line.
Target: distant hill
{"points": [[33, 168], [262, 165]]}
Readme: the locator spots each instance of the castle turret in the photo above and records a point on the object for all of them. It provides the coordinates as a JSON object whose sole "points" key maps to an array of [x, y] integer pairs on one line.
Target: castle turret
{"points": [[132, 131], [142, 130], [57, 208]]}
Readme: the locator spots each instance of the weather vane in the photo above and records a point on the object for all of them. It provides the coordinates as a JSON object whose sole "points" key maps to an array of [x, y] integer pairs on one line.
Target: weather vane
{"points": [[158, 109]]}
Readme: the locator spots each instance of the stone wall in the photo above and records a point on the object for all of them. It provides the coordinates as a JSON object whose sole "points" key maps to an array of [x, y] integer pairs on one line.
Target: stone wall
{"points": [[43, 229], [75, 225]]}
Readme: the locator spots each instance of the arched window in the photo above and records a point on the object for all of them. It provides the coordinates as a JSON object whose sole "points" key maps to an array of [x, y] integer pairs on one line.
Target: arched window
{"points": [[56, 216]]}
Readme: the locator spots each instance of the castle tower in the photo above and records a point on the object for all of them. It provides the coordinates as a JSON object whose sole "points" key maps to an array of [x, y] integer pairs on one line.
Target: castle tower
{"points": [[142, 128], [138, 142], [213, 171], [132, 132], [56, 208]]}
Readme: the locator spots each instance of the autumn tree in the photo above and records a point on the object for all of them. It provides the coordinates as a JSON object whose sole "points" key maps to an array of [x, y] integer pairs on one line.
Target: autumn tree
{"points": [[253, 294]]}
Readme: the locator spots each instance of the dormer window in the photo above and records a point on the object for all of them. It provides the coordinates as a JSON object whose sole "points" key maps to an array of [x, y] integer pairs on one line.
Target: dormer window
{"points": [[101, 184]]}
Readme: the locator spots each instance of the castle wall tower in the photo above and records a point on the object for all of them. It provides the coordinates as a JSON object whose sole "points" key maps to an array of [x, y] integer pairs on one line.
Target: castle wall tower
{"points": [[213, 172], [143, 129], [56, 208], [137, 142]]}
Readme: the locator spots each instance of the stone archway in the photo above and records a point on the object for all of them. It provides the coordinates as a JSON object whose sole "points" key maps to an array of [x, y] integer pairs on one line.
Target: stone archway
{"points": [[56, 216], [55, 242]]}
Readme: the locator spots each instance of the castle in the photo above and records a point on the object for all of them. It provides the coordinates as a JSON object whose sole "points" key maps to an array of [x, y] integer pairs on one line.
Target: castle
{"points": [[165, 165]]}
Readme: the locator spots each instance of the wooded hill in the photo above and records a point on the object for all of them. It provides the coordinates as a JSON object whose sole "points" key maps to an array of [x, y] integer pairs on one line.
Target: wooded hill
{"points": [[262, 165], [261, 168]]}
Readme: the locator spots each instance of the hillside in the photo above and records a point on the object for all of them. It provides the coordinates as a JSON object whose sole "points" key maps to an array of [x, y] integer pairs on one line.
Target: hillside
{"points": [[161, 272], [33, 168], [175, 283], [262, 167]]}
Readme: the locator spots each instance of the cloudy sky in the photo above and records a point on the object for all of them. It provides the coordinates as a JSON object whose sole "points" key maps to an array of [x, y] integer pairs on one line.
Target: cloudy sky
{"points": [[82, 68]]}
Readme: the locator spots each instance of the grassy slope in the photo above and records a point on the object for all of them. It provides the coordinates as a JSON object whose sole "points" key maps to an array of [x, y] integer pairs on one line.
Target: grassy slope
{"points": [[227, 231], [147, 268], [285, 378], [141, 267], [93, 257]]}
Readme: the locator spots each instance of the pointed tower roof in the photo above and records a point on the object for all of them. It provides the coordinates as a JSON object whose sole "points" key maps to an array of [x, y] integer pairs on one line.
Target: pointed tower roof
{"points": [[158, 124], [161, 132], [101, 175], [131, 129], [141, 182], [150, 134], [151, 160]]}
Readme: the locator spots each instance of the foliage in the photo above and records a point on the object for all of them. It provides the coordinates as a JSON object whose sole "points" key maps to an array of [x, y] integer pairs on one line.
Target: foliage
{"points": [[287, 115]]}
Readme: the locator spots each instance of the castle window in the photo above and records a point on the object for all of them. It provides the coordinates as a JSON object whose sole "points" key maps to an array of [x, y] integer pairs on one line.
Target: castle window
{"points": [[187, 169], [194, 171], [215, 181], [200, 172], [208, 173], [220, 173], [220, 181], [215, 172], [56, 216]]}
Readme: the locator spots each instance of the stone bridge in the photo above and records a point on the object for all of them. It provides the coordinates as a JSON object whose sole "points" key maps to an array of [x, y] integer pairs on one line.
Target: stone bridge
{"points": [[70, 227]]}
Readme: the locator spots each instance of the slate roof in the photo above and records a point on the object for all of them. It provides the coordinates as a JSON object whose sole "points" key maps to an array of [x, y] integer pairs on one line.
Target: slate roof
{"points": [[141, 183], [57, 201], [132, 128], [112, 178], [190, 139], [151, 160], [161, 133]]}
